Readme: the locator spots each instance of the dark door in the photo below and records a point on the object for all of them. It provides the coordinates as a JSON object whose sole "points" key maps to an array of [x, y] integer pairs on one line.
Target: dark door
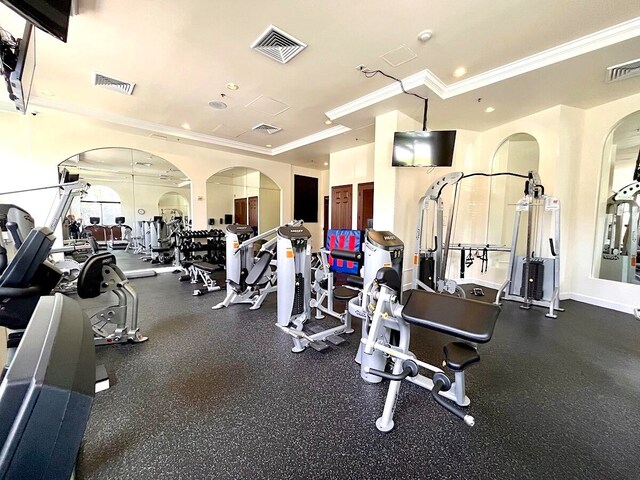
{"points": [[365, 204], [240, 211], [253, 211], [325, 225], [341, 206]]}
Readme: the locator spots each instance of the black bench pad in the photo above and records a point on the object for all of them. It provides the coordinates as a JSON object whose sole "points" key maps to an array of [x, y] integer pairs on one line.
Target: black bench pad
{"points": [[460, 317], [160, 249], [459, 355], [207, 267], [344, 294]]}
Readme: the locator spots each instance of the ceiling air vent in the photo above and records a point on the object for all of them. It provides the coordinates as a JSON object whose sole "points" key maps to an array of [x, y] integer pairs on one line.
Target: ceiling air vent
{"points": [[623, 71], [278, 45], [266, 128], [113, 84]]}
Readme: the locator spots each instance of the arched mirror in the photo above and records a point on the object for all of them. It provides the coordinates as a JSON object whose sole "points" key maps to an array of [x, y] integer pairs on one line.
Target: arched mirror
{"points": [[245, 196], [519, 154], [616, 242], [172, 205], [129, 189]]}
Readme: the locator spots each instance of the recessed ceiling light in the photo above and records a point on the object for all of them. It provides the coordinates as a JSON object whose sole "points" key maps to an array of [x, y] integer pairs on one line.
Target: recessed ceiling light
{"points": [[326, 163], [232, 86], [217, 105], [328, 122], [186, 126], [489, 109], [47, 93], [459, 72], [268, 145], [425, 35]]}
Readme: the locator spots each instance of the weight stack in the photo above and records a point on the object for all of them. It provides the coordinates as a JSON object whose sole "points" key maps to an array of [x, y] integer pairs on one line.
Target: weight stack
{"points": [[535, 280], [427, 265], [298, 299]]}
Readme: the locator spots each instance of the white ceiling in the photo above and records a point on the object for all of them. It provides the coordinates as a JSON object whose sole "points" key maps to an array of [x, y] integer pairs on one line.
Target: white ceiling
{"points": [[181, 55]]}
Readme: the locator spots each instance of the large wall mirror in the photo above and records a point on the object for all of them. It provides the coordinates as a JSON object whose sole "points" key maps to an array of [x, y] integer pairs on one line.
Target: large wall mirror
{"points": [[618, 211], [127, 186], [245, 196], [520, 154]]}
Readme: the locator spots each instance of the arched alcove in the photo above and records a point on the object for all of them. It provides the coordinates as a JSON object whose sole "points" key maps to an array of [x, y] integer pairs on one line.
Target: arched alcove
{"points": [[519, 153], [243, 195], [616, 243], [139, 178]]}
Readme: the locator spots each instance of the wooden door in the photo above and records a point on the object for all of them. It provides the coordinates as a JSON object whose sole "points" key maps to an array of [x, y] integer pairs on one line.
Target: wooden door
{"points": [[365, 204], [253, 212], [325, 224], [341, 207], [240, 211]]}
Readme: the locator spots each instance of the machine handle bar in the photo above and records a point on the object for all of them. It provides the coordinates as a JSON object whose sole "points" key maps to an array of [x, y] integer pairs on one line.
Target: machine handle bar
{"points": [[442, 382], [551, 245], [409, 369], [348, 255]]}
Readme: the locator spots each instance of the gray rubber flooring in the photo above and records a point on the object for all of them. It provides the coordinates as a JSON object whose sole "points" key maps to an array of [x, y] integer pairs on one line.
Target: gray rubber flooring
{"points": [[219, 395]]}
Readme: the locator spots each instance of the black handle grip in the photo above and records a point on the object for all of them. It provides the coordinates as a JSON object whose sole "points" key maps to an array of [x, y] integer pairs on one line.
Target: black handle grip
{"points": [[354, 281], [409, 369], [348, 255], [552, 246]]}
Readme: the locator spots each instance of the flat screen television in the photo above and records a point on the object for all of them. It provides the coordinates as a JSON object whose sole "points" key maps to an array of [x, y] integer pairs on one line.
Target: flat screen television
{"points": [[19, 64], [423, 149], [51, 16]]}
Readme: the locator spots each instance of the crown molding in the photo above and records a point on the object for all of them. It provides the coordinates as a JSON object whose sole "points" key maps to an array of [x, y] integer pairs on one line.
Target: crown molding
{"points": [[384, 93], [316, 137], [144, 125], [588, 43], [181, 133]]}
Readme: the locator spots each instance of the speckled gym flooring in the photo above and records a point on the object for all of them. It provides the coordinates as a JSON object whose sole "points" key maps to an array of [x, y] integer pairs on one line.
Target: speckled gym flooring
{"points": [[219, 395]]}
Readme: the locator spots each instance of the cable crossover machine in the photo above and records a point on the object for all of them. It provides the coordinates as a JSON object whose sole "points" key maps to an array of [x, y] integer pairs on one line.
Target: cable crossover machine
{"points": [[533, 278]]}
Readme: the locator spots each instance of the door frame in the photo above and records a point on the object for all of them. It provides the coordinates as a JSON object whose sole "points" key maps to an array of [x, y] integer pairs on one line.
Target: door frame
{"points": [[362, 187]]}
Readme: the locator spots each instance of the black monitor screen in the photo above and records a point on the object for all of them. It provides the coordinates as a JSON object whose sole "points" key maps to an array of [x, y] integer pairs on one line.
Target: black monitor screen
{"points": [[51, 16], [423, 149]]}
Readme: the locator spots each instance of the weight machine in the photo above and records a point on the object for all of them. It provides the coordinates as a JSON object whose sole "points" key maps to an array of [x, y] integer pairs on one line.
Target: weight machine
{"points": [[430, 261], [620, 246], [249, 276], [534, 278]]}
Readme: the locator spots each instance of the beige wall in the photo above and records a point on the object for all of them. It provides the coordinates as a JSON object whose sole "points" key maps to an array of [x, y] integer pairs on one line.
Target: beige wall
{"points": [[352, 167], [32, 146]]}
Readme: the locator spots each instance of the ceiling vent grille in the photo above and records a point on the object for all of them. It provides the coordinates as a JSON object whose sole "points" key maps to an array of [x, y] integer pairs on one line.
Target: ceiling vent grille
{"points": [[278, 45], [113, 84], [266, 128], [623, 71]]}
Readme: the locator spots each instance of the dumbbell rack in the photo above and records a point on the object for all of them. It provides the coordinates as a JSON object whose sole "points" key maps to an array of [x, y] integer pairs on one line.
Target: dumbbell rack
{"points": [[205, 245]]}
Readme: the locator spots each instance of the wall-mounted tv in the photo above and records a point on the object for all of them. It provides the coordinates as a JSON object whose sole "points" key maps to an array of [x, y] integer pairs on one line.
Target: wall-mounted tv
{"points": [[21, 77], [423, 149], [51, 16]]}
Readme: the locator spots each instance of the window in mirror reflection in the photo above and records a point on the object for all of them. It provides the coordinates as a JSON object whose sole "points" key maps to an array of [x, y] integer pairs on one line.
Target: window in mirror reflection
{"points": [[618, 211]]}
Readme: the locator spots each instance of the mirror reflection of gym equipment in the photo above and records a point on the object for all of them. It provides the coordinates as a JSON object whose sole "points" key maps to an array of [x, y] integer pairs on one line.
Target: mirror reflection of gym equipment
{"points": [[617, 258], [133, 198]]}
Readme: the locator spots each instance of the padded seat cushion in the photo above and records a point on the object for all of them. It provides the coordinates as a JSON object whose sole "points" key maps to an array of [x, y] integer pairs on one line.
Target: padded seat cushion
{"points": [[207, 267], [259, 269], [344, 293], [90, 277], [459, 355], [460, 317], [160, 249]]}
